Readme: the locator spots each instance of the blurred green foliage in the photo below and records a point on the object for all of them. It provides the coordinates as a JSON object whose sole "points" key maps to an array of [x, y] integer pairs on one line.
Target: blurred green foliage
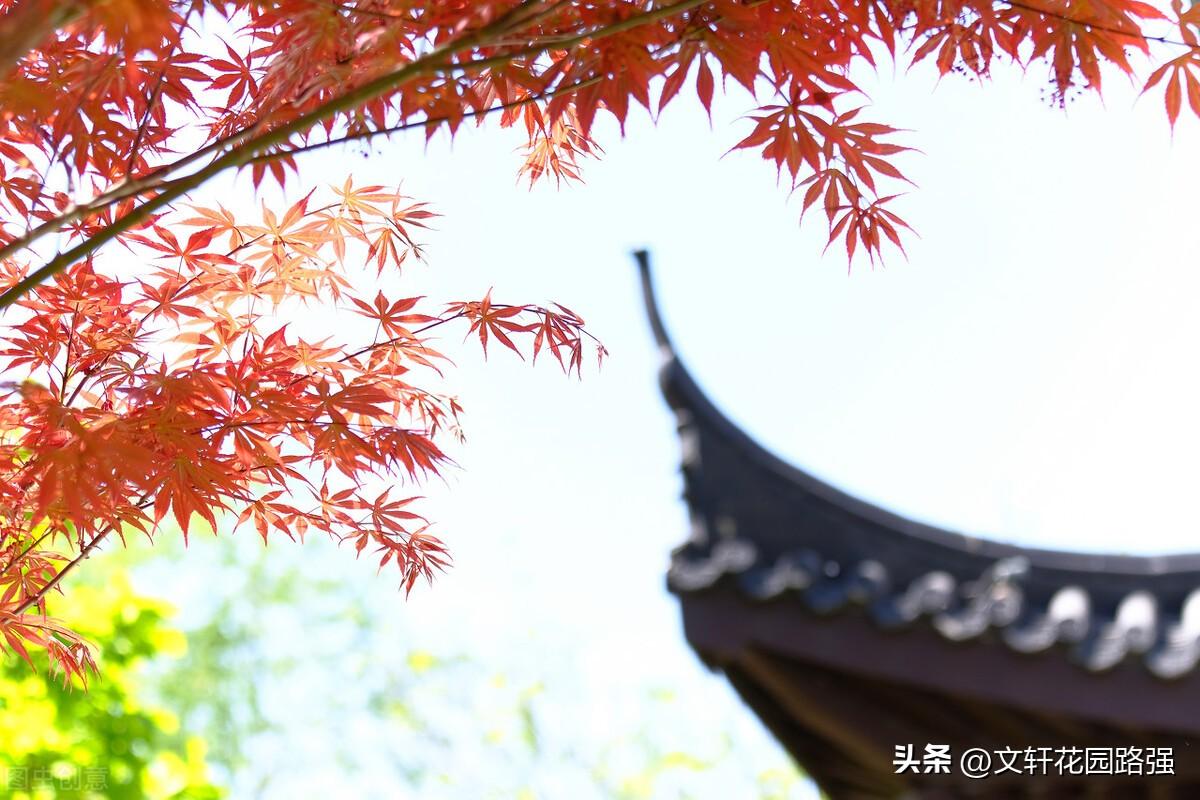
{"points": [[639, 763], [104, 743], [302, 687], [305, 684]]}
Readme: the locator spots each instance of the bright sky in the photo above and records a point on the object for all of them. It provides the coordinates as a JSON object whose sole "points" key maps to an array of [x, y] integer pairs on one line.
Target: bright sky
{"points": [[1029, 373]]}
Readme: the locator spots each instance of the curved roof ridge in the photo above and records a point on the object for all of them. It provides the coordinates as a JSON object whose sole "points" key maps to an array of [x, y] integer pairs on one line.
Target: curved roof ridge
{"points": [[683, 393]]}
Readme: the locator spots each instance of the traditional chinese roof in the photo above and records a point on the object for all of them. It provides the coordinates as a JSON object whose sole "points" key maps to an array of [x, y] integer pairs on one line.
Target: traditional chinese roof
{"points": [[811, 601]]}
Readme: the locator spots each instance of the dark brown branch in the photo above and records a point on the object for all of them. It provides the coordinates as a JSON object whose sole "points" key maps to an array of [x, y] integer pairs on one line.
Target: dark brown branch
{"points": [[440, 60], [425, 123], [86, 551]]}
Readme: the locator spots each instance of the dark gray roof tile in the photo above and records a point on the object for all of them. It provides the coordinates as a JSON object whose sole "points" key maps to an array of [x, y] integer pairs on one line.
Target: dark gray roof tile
{"points": [[791, 572], [1065, 619], [931, 593]]}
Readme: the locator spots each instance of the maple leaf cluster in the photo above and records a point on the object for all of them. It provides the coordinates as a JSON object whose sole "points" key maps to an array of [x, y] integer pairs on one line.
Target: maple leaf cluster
{"points": [[115, 109], [175, 396], [159, 391]]}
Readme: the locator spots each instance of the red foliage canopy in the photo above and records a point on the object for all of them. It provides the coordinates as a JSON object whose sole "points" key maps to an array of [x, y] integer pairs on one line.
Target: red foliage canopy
{"points": [[162, 393]]}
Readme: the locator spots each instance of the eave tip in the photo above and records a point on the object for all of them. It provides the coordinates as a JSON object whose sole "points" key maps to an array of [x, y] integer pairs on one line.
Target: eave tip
{"points": [[642, 257]]}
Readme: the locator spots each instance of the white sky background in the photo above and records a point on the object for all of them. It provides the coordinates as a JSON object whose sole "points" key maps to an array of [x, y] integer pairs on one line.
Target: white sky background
{"points": [[1028, 374]]}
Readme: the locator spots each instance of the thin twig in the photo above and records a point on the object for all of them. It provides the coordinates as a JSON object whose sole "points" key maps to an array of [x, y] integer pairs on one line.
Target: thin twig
{"points": [[440, 60]]}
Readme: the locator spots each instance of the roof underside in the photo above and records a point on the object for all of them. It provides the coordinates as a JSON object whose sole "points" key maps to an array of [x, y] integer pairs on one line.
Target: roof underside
{"points": [[844, 729]]}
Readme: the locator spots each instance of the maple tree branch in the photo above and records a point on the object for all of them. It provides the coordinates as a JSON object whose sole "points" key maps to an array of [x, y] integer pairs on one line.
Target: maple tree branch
{"points": [[37, 596], [1136, 34], [151, 181], [443, 321], [428, 121], [237, 156], [84, 552], [219, 426], [27, 23], [28, 549], [398, 339], [438, 60], [56, 146], [250, 423], [364, 11], [132, 187], [87, 375], [155, 93], [121, 190]]}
